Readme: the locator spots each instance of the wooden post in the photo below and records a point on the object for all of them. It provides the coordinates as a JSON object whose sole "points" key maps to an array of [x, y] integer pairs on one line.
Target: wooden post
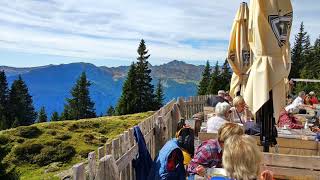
{"points": [[115, 148], [92, 165], [78, 172], [108, 148], [159, 133], [101, 152], [107, 169]]}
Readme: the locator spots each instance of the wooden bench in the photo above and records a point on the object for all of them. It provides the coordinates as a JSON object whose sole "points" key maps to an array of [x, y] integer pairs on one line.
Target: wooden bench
{"points": [[285, 145]]}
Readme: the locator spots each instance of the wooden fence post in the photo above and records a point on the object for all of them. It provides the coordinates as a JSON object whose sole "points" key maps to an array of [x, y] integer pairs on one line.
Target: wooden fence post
{"points": [[78, 172], [175, 114], [107, 169], [92, 165], [101, 152], [159, 133]]}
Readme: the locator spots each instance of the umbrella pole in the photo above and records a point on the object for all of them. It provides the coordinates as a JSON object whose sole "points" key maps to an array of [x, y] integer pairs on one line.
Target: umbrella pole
{"points": [[267, 121]]}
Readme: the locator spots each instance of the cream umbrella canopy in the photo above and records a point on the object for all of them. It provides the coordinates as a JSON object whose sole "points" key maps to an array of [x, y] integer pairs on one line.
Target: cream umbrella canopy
{"points": [[269, 31], [239, 50]]}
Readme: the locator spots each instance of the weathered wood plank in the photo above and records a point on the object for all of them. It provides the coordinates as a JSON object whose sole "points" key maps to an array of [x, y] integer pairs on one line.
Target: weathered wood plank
{"points": [[115, 148], [78, 172], [101, 152], [290, 172], [107, 169], [292, 161], [109, 148], [92, 165]]}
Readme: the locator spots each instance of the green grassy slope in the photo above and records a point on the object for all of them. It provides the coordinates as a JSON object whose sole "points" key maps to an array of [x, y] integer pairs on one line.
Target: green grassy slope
{"points": [[42, 150]]}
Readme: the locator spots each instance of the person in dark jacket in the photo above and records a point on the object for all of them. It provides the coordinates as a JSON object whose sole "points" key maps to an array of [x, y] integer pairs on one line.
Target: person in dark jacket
{"points": [[220, 98], [142, 164]]}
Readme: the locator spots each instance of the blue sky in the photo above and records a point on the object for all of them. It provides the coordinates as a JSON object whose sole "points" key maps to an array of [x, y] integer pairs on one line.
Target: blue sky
{"points": [[106, 32]]}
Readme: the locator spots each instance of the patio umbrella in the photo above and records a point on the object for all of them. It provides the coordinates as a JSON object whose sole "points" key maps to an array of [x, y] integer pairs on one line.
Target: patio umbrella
{"points": [[269, 31], [239, 51]]}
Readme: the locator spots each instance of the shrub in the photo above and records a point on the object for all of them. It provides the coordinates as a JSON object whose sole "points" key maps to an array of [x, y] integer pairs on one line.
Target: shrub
{"points": [[84, 153], [88, 138], [102, 131], [49, 154], [53, 143], [103, 139], [26, 152], [28, 132], [20, 140], [4, 139], [52, 132], [73, 127], [63, 137]]}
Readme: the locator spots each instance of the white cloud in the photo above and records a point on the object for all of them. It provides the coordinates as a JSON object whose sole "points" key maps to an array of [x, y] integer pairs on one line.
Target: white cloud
{"points": [[112, 29]]}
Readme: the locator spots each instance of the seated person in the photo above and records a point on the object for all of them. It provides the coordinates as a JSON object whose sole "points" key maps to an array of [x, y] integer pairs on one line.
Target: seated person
{"points": [[177, 152], [298, 102], [307, 100], [287, 118], [242, 159], [219, 98], [222, 113], [209, 153], [228, 98], [240, 112], [314, 99]]}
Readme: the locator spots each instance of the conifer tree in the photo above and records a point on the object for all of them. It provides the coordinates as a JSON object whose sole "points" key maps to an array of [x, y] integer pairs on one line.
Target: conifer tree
{"points": [[128, 99], [81, 106], [4, 95], [225, 76], [110, 111], [21, 107], [159, 96], [65, 115], [145, 96], [214, 84], [42, 117], [297, 53], [55, 116], [205, 80]]}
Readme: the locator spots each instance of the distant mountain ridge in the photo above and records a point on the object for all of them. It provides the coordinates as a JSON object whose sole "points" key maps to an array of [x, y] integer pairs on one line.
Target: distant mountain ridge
{"points": [[50, 85]]}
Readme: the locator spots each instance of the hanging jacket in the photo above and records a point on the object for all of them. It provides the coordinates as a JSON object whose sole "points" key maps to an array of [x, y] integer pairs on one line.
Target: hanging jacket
{"points": [[143, 162], [168, 165]]}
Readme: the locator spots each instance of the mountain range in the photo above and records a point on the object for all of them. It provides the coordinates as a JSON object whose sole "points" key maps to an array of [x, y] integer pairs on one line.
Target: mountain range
{"points": [[50, 85]]}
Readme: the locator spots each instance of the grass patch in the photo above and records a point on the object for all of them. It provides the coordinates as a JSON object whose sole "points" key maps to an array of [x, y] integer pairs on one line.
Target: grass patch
{"points": [[42, 150]]}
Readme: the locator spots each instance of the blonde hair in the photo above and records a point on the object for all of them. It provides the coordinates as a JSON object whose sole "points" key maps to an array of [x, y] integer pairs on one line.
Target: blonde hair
{"points": [[229, 129], [238, 100], [241, 157]]}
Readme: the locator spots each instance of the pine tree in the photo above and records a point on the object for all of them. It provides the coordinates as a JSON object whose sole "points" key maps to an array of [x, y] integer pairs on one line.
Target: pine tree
{"points": [[128, 99], [214, 84], [159, 96], [297, 56], [55, 116], [42, 117], [80, 104], [65, 115], [204, 83], [110, 111], [4, 95], [21, 104], [225, 76], [145, 96]]}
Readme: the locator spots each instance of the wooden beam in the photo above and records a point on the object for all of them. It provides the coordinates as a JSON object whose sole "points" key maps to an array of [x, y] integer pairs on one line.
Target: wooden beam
{"points": [[282, 171], [292, 161]]}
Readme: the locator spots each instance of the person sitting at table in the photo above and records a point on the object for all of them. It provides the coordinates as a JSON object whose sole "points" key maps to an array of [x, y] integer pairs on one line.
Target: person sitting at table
{"points": [[242, 159], [222, 113], [240, 112], [228, 98], [286, 118], [314, 99], [298, 102], [209, 153], [307, 100], [219, 98]]}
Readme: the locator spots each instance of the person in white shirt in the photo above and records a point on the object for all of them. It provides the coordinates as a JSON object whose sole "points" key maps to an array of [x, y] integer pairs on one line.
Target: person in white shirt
{"points": [[297, 103], [222, 112], [240, 112]]}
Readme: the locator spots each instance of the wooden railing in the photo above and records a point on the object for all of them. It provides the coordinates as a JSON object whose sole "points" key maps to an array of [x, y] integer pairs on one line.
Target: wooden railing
{"points": [[114, 160], [193, 105]]}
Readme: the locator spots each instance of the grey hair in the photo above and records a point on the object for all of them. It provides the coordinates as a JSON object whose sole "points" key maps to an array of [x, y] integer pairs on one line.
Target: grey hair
{"points": [[302, 93], [222, 108]]}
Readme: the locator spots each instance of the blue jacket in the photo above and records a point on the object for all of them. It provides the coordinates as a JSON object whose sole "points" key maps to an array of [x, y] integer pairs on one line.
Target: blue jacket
{"points": [[159, 169], [143, 162]]}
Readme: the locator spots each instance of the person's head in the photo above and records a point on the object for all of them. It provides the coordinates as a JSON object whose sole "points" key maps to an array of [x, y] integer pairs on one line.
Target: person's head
{"points": [[241, 157], [222, 109], [239, 103], [302, 94], [312, 93], [227, 130], [221, 93]]}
